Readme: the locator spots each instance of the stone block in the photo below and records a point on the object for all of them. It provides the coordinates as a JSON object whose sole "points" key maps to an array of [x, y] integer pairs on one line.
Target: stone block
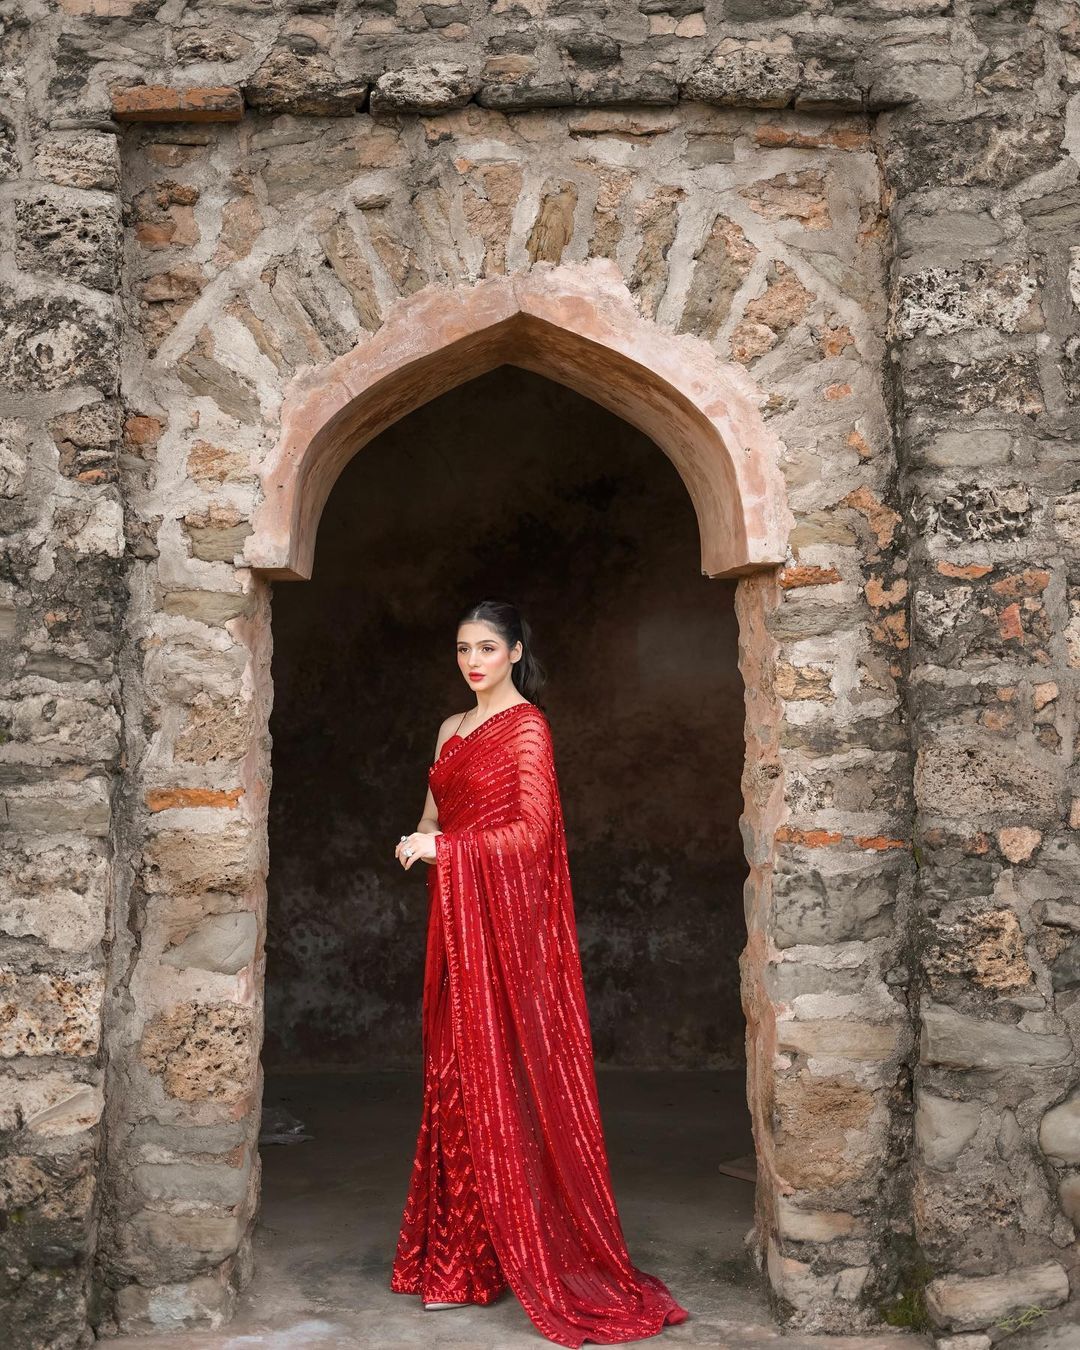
{"points": [[336, 164], [70, 238], [214, 730], [207, 1300], [1065, 972], [50, 342], [50, 1105], [304, 85], [962, 777], [217, 535], [183, 862], [924, 78], [942, 390], [57, 894], [436, 87], [983, 946], [1069, 1198], [950, 300], [822, 1126], [183, 1139], [50, 1198], [678, 9], [800, 196], [996, 149], [835, 900], [14, 458], [827, 1039], [815, 1225], [79, 159], [215, 1185], [222, 942], [211, 607], [211, 463], [973, 513], [944, 1128], [92, 524], [946, 230], [521, 94], [50, 728], [1059, 1132], [10, 165], [806, 1288], [203, 1051], [788, 980], [87, 439], [59, 808], [171, 1247], [721, 265], [960, 1303], [208, 377], [46, 1014], [745, 78], [591, 51], [953, 1040]]}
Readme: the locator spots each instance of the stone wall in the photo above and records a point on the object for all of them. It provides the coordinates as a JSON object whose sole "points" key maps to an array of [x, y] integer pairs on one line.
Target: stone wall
{"points": [[867, 207]]}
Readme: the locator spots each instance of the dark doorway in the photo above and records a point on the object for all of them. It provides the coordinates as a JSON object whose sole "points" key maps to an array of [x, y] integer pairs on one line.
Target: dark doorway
{"points": [[514, 486]]}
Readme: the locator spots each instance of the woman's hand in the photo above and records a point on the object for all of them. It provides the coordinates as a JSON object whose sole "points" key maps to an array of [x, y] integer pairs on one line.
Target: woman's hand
{"points": [[412, 847]]}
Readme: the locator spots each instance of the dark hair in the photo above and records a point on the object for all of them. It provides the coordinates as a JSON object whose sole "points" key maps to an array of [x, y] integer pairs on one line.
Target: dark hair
{"points": [[527, 672]]}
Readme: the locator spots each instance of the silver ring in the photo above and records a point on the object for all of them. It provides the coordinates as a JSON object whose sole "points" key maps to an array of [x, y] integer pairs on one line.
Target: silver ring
{"points": [[403, 838], [406, 852]]}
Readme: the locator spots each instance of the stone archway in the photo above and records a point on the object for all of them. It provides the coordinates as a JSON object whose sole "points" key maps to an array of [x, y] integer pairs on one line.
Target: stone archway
{"points": [[577, 325], [187, 1065]]}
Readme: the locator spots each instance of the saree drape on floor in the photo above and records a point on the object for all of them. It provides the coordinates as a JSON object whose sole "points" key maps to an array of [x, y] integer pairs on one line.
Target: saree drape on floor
{"points": [[510, 1181]]}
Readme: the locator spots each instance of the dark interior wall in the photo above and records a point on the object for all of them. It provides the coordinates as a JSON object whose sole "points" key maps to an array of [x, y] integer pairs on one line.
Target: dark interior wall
{"points": [[514, 486]]}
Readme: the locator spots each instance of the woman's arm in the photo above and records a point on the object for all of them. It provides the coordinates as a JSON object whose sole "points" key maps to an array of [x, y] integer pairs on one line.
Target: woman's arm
{"points": [[429, 816], [429, 819]]}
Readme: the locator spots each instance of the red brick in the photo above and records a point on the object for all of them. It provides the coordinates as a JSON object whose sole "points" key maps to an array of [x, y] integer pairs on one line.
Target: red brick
{"points": [[791, 577], [163, 103], [164, 799]]}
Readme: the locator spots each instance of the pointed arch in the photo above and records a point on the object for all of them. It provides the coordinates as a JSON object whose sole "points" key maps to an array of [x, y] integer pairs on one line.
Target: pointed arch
{"points": [[575, 324]]}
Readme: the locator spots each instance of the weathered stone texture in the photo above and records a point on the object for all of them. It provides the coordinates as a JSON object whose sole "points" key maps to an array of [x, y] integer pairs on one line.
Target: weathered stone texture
{"points": [[72, 239], [202, 1051], [47, 343], [752, 177], [60, 352], [49, 1014]]}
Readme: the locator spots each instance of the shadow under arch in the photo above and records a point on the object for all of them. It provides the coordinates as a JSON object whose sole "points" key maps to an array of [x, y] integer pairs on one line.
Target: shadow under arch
{"points": [[576, 324]]}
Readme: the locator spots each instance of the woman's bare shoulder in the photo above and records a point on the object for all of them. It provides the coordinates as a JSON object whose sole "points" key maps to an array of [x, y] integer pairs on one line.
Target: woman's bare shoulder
{"points": [[447, 725]]}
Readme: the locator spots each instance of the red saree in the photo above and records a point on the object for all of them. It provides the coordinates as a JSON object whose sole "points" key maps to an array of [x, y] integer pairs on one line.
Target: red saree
{"points": [[510, 1183]]}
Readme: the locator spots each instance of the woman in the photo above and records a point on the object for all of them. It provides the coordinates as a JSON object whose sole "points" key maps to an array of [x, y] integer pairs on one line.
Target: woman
{"points": [[510, 1184]]}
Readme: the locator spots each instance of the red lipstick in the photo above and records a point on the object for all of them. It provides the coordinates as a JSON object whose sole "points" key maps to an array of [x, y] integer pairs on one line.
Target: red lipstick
{"points": [[476, 674]]}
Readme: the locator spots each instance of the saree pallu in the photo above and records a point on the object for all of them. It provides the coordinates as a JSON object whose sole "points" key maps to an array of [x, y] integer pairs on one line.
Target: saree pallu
{"points": [[510, 1181]]}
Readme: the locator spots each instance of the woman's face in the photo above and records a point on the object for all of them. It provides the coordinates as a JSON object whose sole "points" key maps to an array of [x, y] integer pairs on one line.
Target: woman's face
{"points": [[483, 656]]}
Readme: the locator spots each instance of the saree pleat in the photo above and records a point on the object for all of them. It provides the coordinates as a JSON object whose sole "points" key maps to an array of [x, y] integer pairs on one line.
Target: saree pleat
{"points": [[511, 1149]]}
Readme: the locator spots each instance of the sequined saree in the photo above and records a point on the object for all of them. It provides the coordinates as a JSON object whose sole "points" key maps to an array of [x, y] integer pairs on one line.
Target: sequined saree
{"points": [[510, 1183]]}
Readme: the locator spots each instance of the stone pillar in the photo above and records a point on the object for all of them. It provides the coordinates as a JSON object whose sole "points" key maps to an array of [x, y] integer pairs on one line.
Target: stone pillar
{"points": [[980, 301], [182, 1166], [61, 608]]}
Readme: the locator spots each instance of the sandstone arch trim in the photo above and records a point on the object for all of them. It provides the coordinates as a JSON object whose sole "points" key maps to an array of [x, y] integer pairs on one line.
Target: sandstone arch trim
{"points": [[575, 324]]}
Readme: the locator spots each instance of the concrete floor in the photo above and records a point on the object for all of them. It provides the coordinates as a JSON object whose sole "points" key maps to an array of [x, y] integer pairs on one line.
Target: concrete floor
{"points": [[331, 1208]]}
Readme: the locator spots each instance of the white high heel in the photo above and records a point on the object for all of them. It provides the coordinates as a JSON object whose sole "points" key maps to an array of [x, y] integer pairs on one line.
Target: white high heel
{"points": [[429, 1306]]}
